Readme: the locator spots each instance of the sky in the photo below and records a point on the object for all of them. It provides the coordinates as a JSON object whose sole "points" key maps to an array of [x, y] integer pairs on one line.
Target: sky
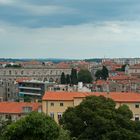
{"points": [[69, 28]]}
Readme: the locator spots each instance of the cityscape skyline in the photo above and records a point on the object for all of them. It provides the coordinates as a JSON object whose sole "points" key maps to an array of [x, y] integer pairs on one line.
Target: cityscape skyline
{"points": [[69, 29]]}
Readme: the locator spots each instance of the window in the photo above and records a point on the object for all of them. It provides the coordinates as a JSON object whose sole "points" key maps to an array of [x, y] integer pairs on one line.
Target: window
{"points": [[22, 72], [61, 104], [8, 89], [136, 105], [59, 115], [136, 117], [8, 117], [52, 115], [10, 72], [52, 104], [27, 109], [51, 72], [15, 72], [8, 95]]}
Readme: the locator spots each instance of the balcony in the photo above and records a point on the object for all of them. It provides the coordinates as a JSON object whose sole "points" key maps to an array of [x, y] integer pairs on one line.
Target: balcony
{"points": [[29, 93], [33, 88]]}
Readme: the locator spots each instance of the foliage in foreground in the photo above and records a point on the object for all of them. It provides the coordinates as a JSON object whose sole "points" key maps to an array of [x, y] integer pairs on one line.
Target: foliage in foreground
{"points": [[35, 126], [96, 118]]}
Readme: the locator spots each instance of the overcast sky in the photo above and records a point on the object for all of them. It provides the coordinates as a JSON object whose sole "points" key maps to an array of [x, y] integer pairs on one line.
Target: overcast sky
{"points": [[69, 28]]}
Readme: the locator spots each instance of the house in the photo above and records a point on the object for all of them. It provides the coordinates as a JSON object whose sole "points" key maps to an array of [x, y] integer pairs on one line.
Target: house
{"points": [[55, 103], [16, 110]]}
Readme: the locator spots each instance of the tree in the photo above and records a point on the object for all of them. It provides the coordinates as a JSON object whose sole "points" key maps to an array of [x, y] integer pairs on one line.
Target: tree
{"points": [[74, 78], [105, 74], [35, 126], [64, 135], [68, 79], [97, 118], [98, 74], [102, 74], [122, 68], [84, 76], [3, 124], [63, 78]]}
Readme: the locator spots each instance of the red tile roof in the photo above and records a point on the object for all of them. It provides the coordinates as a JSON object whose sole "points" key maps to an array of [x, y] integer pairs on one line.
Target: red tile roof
{"points": [[101, 82], [119, 77], [17, 107], [18, 80], [69, 96]]}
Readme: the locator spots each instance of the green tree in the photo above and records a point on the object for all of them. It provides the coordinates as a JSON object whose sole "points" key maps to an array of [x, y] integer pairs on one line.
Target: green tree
{"points": [[84, 76], [97, 118], [63, 78], [122, 68], [64, 135], [105, 73], [102, 74], [3, 124], [68, 79], [74, 78], [35, 126], [98, 74]]}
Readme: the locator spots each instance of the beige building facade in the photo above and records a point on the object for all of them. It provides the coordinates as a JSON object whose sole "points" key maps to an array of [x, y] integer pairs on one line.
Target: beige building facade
{"points": [[55, 103]]}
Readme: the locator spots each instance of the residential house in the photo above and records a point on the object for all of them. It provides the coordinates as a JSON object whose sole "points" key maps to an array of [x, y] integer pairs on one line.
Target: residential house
{"points": [[55, 103], [16, 110]]}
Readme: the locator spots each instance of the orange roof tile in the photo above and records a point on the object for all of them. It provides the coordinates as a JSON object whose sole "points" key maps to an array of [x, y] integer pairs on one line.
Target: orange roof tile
{"points": [[119, 77], [101, 82], [16, 107], [61, 95], [69, 96], [18, 80]]}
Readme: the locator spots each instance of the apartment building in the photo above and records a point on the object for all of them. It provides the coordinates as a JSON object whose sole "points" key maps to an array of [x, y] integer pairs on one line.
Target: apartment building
{"points": [[55, 103], [8, 77], [32, 90]]}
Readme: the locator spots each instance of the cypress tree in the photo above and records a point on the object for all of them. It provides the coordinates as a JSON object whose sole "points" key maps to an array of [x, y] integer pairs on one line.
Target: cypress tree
{"points": [[63, 78], [68, 79], [105, 74], [74, 78]]}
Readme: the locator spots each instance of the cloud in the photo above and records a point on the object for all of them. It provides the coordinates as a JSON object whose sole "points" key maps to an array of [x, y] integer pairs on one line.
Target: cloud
{"points": [[112, 39], [54, 13], [6, 2], [41, 10], [69, 28]]}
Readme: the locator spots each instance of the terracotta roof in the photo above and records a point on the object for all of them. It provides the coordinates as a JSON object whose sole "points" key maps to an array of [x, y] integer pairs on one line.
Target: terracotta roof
{"points": [[61, 96], [119, 77], [63, 65], [17, 107], [69, 96], [120, 73], [18, 80], [101, 82]]}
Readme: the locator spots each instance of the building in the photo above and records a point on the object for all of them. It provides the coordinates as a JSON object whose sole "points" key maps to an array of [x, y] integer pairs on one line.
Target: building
{"points": [[32, 90], [133, 70], [123, 61], [16, 110], [9, 75], [55, 103]]}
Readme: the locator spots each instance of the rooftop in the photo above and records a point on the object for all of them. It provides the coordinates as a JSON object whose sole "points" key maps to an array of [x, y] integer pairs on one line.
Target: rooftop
{"points": [[69, 96], [17, 107]]}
